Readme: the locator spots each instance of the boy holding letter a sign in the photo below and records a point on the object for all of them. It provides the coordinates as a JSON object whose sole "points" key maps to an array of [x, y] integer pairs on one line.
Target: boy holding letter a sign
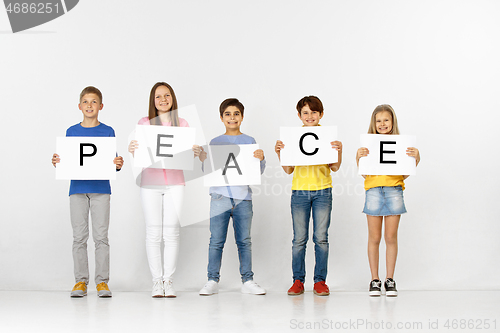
{"points": [[93, 196], [311, 191], [235, 202]]}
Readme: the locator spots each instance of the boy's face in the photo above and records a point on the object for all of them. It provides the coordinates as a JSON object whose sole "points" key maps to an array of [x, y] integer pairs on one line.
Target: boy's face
{"points": [[90, 104], [309, 117], [232, 117]]}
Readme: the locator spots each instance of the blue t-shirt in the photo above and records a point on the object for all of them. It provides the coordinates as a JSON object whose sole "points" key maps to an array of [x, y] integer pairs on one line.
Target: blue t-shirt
{"points": [[90, 186], [243, 192]]}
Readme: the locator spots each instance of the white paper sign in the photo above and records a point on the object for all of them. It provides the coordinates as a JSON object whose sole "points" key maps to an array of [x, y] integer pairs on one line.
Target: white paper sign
{"points": [[387, 155], [309, 145], [164, 147], [86, 158], [233, 165]]}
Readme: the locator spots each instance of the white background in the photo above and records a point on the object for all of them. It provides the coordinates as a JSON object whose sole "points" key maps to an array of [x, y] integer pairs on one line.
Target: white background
{"points": [[435, 62]]}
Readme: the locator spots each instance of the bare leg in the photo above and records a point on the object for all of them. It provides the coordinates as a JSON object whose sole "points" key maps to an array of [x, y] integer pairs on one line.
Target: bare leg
{"points": [[374, 236], [391, 243]]}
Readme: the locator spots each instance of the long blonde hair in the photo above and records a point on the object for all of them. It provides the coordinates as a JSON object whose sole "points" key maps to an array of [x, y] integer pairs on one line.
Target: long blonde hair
{"points": [[381, 108]]}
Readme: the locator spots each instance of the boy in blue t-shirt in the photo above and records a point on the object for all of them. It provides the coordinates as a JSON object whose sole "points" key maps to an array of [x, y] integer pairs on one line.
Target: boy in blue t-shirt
{"points": [[235, 202], [93, 196]]}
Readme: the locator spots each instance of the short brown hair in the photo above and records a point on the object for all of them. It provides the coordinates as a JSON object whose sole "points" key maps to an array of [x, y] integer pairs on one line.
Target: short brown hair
{"points": [[231, 102], [91, 90], [313, 102]]}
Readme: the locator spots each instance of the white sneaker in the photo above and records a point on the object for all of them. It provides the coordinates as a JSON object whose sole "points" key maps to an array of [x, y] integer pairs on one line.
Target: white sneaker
{"points": [[158, 290], [210, 288], [250, 287], [169, 290]]}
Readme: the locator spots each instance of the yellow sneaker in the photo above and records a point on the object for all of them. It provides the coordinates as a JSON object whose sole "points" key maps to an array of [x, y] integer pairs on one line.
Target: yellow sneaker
{"points": [[103, 290], [79, 290]]}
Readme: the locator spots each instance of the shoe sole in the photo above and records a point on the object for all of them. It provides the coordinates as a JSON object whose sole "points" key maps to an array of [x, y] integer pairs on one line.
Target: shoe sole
{"points": [[321, 294], [78, 296], [295, 294], [250, 293], [391, 293], [171, 296], [375, 293]]}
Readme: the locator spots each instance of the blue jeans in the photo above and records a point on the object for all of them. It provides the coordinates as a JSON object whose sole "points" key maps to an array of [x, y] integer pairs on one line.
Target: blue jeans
{"points": [[221, 209], [320, 202]]}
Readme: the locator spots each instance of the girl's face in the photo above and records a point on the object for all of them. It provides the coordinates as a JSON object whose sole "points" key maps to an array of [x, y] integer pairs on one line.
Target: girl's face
{"points": [[383, 122], [163, 99], [309, 117]]}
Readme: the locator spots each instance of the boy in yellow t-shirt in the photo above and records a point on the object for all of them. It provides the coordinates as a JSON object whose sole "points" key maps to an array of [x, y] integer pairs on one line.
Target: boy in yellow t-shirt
{"points": [[311, 191]]}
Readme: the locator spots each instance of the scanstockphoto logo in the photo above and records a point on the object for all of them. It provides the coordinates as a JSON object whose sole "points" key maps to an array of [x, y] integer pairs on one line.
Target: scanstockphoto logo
{"points": [[25, 15]]}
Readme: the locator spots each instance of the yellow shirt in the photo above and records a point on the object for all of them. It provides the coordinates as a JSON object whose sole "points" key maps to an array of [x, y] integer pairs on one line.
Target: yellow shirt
{"points": [[376, 181], [311, 177]]}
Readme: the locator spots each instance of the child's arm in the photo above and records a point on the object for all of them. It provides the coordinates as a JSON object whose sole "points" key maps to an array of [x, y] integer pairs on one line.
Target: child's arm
{"points": [[338, 146], [133, 146], [361, 153], [119, 162], [199, 152], [55, 159], [277, 148], [413, 152], [259, 153]]}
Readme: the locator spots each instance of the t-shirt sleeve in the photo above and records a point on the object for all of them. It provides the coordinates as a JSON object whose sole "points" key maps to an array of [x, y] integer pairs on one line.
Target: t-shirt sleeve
{"points": [[143, 121], [183, 122]]}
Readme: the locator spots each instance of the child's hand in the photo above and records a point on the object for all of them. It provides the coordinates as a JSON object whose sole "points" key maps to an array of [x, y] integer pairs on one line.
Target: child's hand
{"points": [[133, 146], [199, 152], [337, 145], [119, 162], [55, 159], [277, 148], [362, 152], [259, 153], [413, 152]]}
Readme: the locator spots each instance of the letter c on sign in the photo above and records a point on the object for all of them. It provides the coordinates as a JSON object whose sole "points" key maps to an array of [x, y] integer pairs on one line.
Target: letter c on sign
{"points": [[301, 144]]}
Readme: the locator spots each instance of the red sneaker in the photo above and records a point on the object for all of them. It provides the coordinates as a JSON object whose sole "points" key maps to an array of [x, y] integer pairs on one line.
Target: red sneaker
{"points": [[321, 289], [297, 288]]}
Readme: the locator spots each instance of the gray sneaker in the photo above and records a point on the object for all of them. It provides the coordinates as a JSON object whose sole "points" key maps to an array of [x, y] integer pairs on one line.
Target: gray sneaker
{"points": [[103, 290], [79, 290]]}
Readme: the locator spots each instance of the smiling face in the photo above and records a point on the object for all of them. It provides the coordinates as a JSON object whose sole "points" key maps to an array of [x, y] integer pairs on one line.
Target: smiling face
{"points": [[163, 99], [232, 118], [309, 117], [90, 104], [383, 122]]}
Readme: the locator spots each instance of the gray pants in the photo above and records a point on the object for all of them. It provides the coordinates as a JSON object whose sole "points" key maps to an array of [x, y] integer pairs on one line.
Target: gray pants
{"points": [[98, 204]]}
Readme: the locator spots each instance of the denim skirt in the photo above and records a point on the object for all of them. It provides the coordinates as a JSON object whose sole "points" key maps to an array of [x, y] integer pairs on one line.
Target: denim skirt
{"points": [[384, 201]]}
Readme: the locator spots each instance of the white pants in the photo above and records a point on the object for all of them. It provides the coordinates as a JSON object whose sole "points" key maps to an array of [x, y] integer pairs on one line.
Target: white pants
{"points": [[162, 208]]}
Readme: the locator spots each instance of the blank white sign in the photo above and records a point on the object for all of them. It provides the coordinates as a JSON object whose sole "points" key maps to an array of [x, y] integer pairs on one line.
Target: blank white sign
{"points": [[308, 145], [387, 155], [86, 158], [233, 165], [164, 147]]}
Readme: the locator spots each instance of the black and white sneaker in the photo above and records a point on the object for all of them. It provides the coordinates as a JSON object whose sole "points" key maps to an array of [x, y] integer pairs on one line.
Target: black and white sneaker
{"points": [[375, 287], [390, 288]]}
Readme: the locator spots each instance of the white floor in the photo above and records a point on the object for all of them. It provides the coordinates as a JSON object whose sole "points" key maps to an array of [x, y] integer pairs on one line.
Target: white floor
{"points": [[230, 311]]}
